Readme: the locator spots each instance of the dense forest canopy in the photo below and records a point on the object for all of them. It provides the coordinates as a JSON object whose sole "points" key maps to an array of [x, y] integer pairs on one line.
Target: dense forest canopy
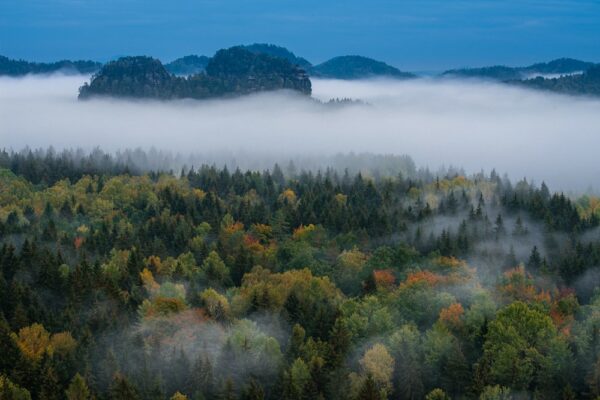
{"points": [[121, 283]]}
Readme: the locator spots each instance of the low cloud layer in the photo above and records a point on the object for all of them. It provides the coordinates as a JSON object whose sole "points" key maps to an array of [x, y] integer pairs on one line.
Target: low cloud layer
{"points": [[473, 125]]}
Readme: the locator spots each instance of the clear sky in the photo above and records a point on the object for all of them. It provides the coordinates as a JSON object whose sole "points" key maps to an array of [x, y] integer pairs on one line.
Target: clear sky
{"points": [[410, 34]]}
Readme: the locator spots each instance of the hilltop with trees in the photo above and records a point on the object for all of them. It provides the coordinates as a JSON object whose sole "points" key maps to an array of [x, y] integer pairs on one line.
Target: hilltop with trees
{"points": [[230, 72], [356, 67]]}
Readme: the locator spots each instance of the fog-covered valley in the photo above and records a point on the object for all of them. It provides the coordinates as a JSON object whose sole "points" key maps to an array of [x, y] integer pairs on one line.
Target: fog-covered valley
{"points": [[473, 125]]}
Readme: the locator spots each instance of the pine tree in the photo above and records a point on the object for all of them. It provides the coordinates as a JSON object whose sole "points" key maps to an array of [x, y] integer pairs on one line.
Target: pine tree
{"points": [[535, 260], [122, 389], [78, 389], [156, 390], [340, 340], [511, 259], [49, 386], [228, 390], [242, 264], [203, 380], [181, 373], [10, 391], [437, 394], [592, 380], [11, 356], [253, 391], [520, 229], [368, 390], [296, 342], [499, 229]]}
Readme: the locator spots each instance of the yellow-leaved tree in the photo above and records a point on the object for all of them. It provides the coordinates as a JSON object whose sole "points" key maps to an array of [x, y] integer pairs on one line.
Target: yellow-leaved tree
{"points": [[34, 341], [379, 364]]}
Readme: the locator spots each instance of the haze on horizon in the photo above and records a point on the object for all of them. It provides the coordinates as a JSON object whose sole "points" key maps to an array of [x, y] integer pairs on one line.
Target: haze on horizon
{"points": [[413, 35], [468, 124]]}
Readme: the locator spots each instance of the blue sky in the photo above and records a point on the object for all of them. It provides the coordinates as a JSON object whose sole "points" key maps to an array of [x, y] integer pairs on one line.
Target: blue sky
{"points": [[413, 34]]}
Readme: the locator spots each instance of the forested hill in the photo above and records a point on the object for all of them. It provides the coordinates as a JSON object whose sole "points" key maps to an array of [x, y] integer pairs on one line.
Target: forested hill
{"points": [[561, 66], [188, 65], [356, 67], [229, 72], [587, 83], [219, 284], [12, 67], [564, 75], [496, 72]]}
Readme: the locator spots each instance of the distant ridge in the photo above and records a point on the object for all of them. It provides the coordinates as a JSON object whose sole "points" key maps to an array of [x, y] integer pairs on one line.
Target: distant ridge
{"points": [[13, 67], [561, 66], [587, 83], [356, 67], [263, 67], [496, 72]]}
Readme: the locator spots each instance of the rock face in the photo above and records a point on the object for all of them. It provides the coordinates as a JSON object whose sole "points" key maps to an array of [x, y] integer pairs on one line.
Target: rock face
{"points": [[356, 67], [230, 72], [20, 67]]}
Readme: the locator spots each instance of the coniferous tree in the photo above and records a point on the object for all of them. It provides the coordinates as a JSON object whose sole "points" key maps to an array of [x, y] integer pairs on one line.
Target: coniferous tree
{"points": [[78, 389], [122, 389], [535, 260], [369, 390]]}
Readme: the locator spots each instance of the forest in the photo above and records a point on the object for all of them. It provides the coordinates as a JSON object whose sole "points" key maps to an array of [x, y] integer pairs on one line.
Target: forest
{"points": [[119, 281]]}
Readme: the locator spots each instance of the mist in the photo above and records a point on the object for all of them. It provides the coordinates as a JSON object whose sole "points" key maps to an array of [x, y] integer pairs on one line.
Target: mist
{"points": [[473, 125]]}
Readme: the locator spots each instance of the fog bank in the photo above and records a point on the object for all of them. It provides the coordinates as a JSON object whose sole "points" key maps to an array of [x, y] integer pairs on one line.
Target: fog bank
{"points": [[474, 125]]}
